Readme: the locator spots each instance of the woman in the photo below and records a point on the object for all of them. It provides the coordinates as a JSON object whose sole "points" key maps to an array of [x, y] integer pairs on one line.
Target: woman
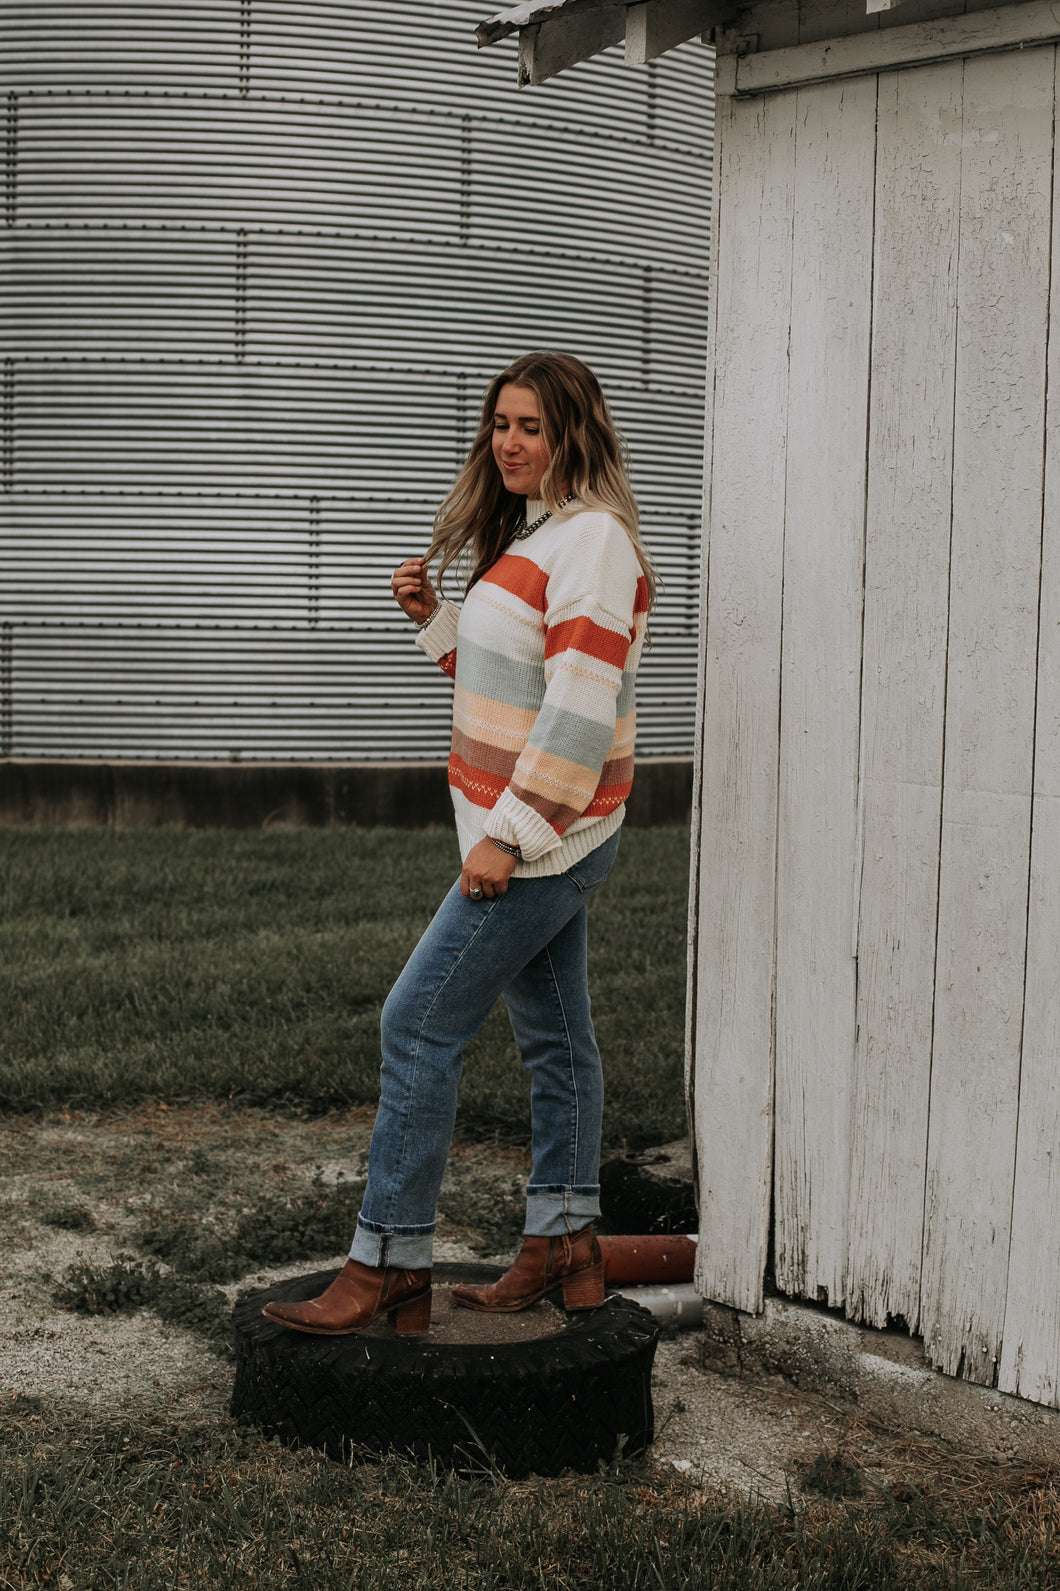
{"points": [[543, 652]]}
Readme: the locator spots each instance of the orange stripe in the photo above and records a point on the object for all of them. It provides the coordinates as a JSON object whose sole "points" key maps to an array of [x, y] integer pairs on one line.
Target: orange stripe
{"points": [[640, 601], [447, 664], [482, 789], [522, 577], [592, 640], [606, 799]]}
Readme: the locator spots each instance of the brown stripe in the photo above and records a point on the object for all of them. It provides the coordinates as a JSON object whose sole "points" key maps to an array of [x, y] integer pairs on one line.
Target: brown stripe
{"points": [[617, 771], [561, 817], [495, 760], [605, 800]]}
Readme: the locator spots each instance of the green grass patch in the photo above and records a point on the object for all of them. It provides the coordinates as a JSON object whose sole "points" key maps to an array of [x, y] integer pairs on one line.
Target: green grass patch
{"points": [[205, 964], [99, 1503]]}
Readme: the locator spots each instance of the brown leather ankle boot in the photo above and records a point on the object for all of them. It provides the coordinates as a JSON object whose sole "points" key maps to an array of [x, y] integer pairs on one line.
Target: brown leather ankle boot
{"points": [[572, 1262], [357, 1296]]}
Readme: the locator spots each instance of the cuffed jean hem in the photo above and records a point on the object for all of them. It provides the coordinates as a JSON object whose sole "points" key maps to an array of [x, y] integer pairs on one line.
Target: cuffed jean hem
{"points": [[407, 1251], [553, 1212]]}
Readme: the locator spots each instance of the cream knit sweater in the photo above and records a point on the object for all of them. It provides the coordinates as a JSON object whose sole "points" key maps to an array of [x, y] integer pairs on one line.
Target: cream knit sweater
{"points": [[544, 651]]}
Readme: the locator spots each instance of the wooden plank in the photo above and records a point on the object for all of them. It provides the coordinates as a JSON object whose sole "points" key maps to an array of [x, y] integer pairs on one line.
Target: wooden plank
{"points": [[695, 869], [774, 24], [1010, 27], [654, 26], [903, 692], [834, 19], [530, 13], [1030, 1357], [910, 11], [828, 384], [733, 1079], [548, 48], [1006, 136]]}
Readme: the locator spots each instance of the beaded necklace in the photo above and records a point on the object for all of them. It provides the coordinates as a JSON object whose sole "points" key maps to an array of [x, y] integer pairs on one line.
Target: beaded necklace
{"points": [[528, 530]]}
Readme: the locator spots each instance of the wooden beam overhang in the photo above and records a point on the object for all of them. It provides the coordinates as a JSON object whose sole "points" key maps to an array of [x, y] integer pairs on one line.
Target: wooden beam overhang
{"points": [[1006, 27], [555, 34]]}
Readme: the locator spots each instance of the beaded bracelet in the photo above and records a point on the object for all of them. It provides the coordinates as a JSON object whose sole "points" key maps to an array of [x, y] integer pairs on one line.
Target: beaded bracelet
{"points": [[512, 850]]}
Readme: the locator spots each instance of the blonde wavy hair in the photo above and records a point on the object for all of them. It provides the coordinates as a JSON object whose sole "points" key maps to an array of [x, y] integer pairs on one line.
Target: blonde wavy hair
{"points": [[586, 451]]}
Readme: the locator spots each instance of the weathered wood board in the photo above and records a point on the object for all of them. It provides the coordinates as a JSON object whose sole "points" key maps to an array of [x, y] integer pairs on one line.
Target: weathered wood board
{"points": [[741, 682], [904, 673], [835, 137], [1030, 1356], [1005, 135]]}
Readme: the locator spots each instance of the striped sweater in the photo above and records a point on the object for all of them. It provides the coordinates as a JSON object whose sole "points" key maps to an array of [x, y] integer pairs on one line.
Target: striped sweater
{"points": [[543, 652]]}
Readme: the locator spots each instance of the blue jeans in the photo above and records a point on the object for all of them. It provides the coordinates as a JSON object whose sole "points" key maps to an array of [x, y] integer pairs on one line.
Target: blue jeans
{"points": [[528, 945]]}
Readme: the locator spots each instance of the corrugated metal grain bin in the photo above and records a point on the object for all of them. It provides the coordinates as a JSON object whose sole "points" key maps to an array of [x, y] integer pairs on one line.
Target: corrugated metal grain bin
{"points": [[260, 261]]}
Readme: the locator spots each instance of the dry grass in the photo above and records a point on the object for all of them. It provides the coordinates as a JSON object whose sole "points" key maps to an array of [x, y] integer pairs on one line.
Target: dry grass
{"points": [[105, 1503]]}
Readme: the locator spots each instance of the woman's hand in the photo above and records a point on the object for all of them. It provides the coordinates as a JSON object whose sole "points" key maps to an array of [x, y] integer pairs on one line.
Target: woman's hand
{"points": [[487, 868], [413, 592]]}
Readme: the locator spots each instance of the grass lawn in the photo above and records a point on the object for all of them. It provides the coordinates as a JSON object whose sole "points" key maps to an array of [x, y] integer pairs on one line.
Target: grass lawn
{"points": [[174, 964]]}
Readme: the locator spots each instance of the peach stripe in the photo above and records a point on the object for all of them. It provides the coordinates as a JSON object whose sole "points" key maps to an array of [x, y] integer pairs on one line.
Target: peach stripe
{"points": [[490, 720]]}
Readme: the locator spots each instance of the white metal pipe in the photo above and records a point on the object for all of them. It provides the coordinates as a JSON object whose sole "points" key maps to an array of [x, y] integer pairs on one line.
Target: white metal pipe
{"points": [[680, 1303]]}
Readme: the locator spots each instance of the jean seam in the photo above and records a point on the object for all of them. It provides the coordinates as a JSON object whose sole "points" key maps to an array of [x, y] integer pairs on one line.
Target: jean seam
{"points": [[572, 1151]]}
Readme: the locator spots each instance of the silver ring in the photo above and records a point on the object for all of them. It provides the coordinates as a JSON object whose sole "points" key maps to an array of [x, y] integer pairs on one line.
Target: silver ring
{"points": [[476, 893]]}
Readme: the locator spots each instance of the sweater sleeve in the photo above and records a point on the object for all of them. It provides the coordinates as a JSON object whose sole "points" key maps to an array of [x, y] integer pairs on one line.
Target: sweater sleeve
{"points": [[590, 624], [438, 639]]}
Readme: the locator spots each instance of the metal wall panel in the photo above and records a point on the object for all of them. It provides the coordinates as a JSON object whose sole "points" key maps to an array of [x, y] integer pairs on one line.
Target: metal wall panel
{"points": [[260, 261]]}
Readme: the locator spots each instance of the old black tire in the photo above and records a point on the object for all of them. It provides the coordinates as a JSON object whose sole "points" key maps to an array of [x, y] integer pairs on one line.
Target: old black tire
{"points": [[572, 1400]]}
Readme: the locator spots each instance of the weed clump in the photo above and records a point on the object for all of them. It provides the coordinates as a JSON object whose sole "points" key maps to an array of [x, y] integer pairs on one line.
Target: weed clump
{"points": [[191, 1249], [494, 1213], [833, 1476], [129, 1284], [70, 1218], [318, 1222]]}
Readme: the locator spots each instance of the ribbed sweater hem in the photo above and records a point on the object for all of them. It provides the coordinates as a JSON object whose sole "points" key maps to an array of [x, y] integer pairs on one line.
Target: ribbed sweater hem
{"points": [[582, 837]]}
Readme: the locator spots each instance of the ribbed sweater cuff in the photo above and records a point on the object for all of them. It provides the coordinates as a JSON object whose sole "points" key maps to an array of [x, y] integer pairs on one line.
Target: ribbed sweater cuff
{"points": [[516, 823], [439, 637]]}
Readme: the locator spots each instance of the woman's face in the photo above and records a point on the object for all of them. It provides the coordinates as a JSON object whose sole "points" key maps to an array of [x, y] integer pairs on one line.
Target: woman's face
{"points": [[518, 445]]}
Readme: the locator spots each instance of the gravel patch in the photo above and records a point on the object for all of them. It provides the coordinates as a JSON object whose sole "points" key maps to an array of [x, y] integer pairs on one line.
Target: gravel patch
{"points": [[210, 1165]]}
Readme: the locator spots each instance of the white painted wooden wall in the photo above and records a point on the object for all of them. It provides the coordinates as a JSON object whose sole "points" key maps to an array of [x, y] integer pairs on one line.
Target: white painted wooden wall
{"points": [[876, 960]]}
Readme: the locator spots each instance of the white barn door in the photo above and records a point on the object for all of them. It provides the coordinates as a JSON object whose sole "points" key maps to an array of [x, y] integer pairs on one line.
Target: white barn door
{"points": [[874, 1028]]}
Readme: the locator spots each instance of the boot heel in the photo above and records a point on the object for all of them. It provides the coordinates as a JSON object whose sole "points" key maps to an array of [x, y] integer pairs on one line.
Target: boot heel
{"points": [[585, 1289], [413, 1318]]}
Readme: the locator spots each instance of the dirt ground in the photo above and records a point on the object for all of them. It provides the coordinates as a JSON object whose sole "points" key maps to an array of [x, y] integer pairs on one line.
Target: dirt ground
{"points": [[76, 1190]]}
